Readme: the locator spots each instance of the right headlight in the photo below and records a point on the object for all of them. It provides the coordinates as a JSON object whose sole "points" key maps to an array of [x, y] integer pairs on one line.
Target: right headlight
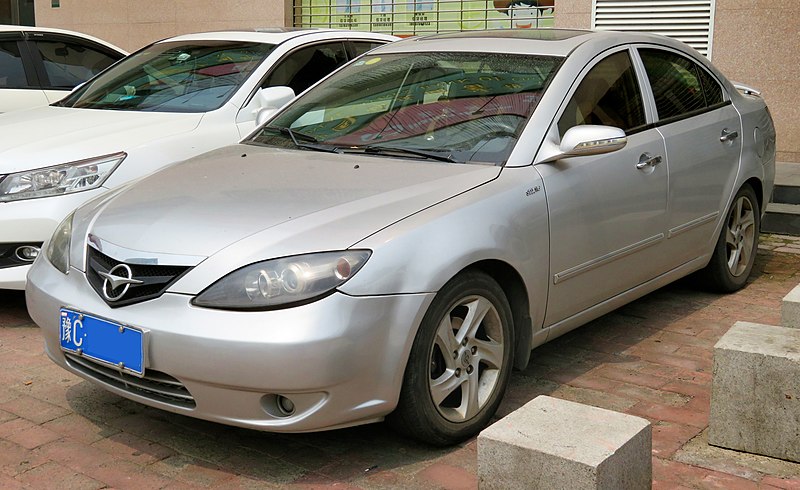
{"points": [[61, 179], [57, 251], [284, 282]]}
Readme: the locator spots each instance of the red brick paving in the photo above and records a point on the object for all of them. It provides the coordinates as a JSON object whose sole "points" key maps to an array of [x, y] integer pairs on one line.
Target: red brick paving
{"points": [[651, 358]]}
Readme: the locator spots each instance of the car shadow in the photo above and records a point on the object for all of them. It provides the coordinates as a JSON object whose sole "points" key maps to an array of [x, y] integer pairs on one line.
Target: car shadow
{"points": [[12, 309]]}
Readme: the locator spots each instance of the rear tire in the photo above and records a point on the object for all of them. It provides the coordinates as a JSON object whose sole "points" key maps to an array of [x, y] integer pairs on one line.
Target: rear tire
{"points": [[460, 363], [736, 247]]}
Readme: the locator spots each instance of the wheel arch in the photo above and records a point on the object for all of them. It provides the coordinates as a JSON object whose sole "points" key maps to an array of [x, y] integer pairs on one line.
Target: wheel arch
{"points": [[758, 187], [513, 286]]}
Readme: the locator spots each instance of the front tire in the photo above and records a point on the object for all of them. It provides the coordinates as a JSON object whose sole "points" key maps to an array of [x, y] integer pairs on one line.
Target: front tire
{"points": [[460, 362], [736, 247]]}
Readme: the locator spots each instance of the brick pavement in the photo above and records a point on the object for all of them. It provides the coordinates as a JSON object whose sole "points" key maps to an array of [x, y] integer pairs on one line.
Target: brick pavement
{"points": [[651, 358]]}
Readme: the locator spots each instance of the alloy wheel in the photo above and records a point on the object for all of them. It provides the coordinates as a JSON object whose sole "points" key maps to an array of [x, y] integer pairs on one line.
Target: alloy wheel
{"points": [[466, 359], [740, 235]]}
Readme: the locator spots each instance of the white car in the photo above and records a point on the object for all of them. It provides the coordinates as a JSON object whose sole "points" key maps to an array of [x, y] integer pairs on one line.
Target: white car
{"points": [[170, 101], [39, 66]]}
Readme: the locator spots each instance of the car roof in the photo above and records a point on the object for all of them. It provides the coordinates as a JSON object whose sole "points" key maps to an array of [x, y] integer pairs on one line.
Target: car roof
{"points": [[548, 42], [276, 35], [53, 30]]}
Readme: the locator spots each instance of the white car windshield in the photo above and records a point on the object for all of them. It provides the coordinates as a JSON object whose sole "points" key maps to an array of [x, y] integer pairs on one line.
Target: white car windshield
{"points": [[457, 107], [189, 76]]}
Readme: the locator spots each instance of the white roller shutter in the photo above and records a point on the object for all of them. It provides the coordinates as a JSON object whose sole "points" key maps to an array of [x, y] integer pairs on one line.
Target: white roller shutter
{"points": [[691, 21]]}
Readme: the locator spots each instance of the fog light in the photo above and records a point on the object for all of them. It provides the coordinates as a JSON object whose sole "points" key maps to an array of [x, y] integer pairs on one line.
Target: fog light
{"points": [[27, 253], [285, 405]]}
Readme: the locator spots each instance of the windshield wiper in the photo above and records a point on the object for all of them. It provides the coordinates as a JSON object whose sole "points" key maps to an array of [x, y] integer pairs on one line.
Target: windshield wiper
{"points": [[313, 144], [441, 155]]}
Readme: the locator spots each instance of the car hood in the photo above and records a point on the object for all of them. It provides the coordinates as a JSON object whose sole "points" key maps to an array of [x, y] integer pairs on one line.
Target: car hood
{"points": [[47, 136], [323, 200]]}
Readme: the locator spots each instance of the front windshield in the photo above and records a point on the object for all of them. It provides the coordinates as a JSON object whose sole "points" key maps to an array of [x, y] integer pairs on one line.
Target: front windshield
{"points": [[187, 76], [462, 107]]}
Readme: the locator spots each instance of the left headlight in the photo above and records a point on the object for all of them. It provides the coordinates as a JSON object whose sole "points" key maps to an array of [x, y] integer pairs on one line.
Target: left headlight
{"points": [[57, 251], [284, 282], [60, 179]]}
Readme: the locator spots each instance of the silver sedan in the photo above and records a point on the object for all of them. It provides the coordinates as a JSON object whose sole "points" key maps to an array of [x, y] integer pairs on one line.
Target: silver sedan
{"points": [[395, 241]]}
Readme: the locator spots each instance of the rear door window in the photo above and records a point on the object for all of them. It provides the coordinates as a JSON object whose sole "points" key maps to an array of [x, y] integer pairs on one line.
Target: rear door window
{"points": [[680, 86]]}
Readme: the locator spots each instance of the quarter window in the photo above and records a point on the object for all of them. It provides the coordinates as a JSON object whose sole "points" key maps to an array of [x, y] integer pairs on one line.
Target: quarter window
{"points": [[608, 95], [679, 85], [12, 72]]}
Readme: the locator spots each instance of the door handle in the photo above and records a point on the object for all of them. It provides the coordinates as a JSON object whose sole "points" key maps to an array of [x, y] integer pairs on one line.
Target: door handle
{"points": [[647, 160], [728, 135]]}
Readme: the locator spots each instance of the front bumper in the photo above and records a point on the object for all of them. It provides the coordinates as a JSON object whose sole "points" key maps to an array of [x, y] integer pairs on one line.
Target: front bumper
{"points": [[13, 277], [340, 360], [34, 220]]}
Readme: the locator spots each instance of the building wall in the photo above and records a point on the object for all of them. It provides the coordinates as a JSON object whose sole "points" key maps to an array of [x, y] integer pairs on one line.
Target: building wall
{"points": [[133, 24], [756, 43]]}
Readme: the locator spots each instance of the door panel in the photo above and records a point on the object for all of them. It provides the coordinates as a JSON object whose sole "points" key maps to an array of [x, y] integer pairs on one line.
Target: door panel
{"points": [[15, 99], [606, 224], [607, 212], [702, 171], [55, 95], [703, 139]]}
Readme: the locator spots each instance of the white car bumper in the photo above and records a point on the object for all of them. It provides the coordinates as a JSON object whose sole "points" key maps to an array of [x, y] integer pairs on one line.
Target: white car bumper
{"points": [[33, 221]]}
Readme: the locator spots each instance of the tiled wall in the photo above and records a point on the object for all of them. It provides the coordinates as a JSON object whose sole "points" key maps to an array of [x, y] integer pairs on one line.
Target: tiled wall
{"points": [[758, 43], [131, 24]]}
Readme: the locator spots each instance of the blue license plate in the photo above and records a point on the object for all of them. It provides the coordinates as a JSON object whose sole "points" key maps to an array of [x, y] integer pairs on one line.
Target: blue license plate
{"points": [[118, 346]]}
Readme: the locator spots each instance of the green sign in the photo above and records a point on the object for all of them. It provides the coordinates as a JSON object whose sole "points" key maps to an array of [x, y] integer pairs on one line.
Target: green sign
{"points": [[409, 17]]}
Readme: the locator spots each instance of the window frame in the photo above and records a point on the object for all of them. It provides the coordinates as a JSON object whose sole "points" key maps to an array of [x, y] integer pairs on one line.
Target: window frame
{"points": [[28, 66], [348, 50], [585, 74], [636, 63], [31, 38], [657, 122], [345, 48]]}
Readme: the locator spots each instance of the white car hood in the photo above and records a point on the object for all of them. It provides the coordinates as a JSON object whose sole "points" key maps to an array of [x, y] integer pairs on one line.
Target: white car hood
{"points": [[49, 135], [324, 200]]}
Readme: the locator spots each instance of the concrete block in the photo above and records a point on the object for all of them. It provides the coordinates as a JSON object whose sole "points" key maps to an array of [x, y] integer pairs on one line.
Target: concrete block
{"points": [[790, 309], [755, 391], [557, 444]]}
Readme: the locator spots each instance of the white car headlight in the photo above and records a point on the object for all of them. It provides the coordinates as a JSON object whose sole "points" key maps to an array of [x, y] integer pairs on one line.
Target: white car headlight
{"points": [[57, 251], [284, 282], [60, 179]]}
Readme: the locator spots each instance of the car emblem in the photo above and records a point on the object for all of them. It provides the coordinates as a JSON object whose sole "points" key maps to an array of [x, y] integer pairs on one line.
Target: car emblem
{"points": [[111, 281]]}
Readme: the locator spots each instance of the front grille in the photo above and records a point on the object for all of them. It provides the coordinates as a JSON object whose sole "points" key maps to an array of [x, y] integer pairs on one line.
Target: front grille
{"points": [[154, 385], [8, 254], [155, 279]]}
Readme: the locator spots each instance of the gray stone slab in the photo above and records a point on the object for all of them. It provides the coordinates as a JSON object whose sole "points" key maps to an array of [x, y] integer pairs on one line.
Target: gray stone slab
{"points": [[551, 443], [755, 394], [790, 309], [787, 173]]}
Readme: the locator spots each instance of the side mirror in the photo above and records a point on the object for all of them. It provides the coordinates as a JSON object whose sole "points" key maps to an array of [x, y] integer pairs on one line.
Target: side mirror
{"points": [[587, 140], [271, 99]]}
